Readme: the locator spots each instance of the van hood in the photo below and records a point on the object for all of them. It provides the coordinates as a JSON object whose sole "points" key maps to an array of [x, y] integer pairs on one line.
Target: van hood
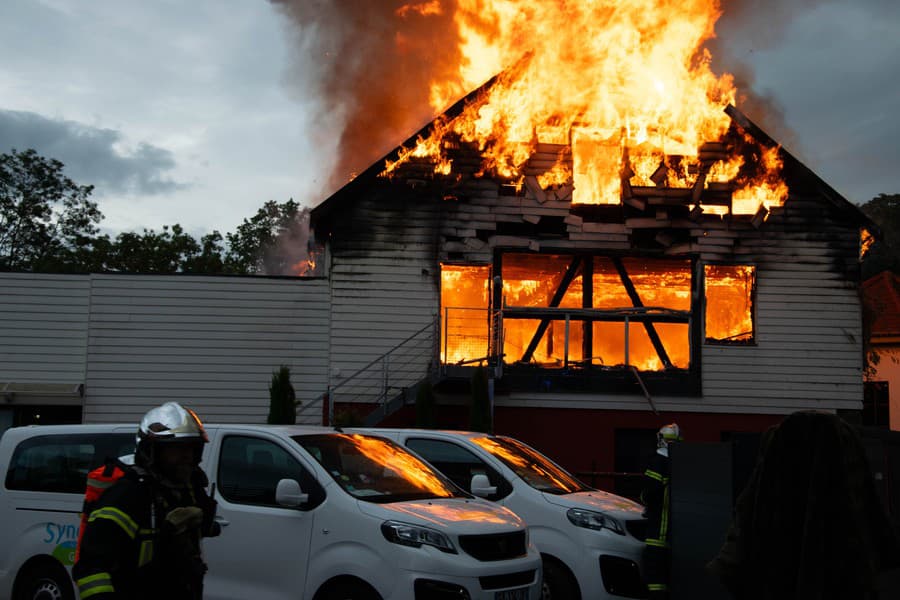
{"points": [[456, 515], [614, 506]]}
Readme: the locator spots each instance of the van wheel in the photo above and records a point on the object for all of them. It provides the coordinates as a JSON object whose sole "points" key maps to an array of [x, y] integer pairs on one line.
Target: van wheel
{"points": [[558, 583], [350, 590], [44, 581]]}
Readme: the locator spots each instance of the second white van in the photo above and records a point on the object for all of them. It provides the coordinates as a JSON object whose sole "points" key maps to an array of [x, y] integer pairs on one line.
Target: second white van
{"points": [[591, 541]]}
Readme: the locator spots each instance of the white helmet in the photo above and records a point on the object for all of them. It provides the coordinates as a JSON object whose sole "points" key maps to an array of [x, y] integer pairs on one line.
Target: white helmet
{"points": [[168, 423], [668, 433]]}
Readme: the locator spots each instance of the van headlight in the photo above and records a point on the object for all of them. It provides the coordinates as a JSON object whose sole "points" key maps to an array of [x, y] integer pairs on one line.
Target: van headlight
{"points": [[590, 519], [416, 536]]}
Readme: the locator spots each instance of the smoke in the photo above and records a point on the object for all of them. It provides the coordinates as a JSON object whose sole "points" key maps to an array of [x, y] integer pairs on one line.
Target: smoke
{"points": [[747, 27], [370, 65]]}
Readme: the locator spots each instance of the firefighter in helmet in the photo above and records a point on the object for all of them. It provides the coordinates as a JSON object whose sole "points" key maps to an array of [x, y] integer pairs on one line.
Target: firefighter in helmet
{"points": [[655, 497], [142, 536]]}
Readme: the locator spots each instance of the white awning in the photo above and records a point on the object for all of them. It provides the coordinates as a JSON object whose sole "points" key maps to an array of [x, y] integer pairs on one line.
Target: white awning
{"points": [[41, 393]]}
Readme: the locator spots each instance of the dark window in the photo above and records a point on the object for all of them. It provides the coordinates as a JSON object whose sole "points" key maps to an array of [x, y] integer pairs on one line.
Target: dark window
{"points": [[60, 463], [459, 464], [250, 469], [876, 404]]}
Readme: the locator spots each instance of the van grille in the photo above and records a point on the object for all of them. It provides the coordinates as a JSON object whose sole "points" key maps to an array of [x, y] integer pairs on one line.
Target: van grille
{"points": [[496, 582], [498, 546]]}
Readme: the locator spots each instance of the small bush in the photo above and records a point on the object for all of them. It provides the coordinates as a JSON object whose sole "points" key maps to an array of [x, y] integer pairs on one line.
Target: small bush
{"points": [[282, 398]]}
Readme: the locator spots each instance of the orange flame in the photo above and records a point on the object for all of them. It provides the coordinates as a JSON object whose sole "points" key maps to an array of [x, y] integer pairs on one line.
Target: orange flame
{"points": [[404, 464], [626, 83], [531, 280]]}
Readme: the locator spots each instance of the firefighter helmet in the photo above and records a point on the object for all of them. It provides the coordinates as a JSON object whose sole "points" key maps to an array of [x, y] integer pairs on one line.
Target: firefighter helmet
{"points": [[669, 433], [168, 423]]}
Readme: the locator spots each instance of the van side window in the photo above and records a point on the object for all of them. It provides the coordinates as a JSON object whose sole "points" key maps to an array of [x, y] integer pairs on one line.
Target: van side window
{"points": [[60, 463], [250, 468], [458, 464]]}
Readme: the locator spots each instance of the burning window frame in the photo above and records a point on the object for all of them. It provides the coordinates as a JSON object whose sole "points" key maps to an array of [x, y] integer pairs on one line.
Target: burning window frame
{"points": [[748, 312], [497, 312], [493, 312]]}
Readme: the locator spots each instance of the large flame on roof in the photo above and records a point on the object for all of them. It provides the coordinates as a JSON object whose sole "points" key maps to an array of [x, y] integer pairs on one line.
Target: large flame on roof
{"points": [[627, 84]]}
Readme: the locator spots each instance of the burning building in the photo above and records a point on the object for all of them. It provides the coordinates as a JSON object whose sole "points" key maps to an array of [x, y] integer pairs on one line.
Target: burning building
{"points": [[602, 229]]}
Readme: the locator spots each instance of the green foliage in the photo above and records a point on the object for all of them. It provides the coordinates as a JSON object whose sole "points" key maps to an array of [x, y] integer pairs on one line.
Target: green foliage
{"points": [[480, 407], [47, 223], [884, 254], [425, 415], [43, 213], [282, 398], [272, 241]]}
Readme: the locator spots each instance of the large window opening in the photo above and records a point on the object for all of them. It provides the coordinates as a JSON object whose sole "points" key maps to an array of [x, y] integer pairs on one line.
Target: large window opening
{"points": [[569, 311]]}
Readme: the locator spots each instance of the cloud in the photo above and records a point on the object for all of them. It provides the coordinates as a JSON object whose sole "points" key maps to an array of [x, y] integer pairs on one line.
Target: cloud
{"points": [[92, 155]]}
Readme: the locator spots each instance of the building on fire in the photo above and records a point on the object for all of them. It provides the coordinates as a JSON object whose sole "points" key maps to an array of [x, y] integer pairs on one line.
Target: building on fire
{"points": [[606, 286]]}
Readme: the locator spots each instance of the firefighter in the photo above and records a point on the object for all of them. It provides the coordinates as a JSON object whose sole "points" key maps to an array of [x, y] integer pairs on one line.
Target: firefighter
{"points": [[142, 537], [655, 497]]}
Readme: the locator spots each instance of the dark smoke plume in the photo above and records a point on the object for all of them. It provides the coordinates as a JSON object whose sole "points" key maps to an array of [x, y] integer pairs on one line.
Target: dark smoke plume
{"points": [[370, 64]]}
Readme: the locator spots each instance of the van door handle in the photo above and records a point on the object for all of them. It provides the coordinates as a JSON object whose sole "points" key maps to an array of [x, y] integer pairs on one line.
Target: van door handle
{"points": [[222, 521]]}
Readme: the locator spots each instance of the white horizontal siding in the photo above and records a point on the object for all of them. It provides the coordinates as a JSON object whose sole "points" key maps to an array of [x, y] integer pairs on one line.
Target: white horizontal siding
{"points": [[383, 286], [808, 351], [209, 342], [43, 328]]}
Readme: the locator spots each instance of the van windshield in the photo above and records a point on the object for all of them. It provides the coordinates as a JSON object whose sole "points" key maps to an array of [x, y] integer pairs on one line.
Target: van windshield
{"points": [[375, 469], [534, 468]]}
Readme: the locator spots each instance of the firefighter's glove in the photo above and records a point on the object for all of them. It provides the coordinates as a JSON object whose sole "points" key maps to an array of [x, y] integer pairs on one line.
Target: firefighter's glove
{"points": [[184, 518]]}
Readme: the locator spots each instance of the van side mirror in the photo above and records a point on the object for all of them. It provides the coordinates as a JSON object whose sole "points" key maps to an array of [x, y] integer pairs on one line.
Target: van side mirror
{"points": [[289, 494], [481, 486]]}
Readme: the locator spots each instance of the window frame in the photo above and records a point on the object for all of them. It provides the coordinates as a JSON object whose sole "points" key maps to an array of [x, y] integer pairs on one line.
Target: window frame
{"points": [[307, 480]]}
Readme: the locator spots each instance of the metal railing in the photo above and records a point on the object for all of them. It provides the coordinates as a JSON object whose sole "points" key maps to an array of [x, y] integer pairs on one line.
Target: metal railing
{"points": [[392, 374]]}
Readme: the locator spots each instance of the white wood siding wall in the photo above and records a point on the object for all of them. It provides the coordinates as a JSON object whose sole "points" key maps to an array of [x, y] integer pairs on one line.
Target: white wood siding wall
{"points": [[139, 340], [43, 328], [384, 286], [210, 342]]}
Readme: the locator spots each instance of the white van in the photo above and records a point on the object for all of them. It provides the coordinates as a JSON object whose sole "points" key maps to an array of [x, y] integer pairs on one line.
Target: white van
{"points": [[307, 512], [591, 541]]}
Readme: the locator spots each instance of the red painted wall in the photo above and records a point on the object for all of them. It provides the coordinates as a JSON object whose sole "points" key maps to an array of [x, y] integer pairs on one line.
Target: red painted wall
{"points": [[583, 440]]}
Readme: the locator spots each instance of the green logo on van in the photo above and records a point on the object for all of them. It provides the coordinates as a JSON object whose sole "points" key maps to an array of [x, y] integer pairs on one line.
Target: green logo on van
{"points": [[65, 552]]}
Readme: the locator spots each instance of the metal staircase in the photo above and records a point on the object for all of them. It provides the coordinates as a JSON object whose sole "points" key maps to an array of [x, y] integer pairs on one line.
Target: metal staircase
{"points": [[391, 380]]}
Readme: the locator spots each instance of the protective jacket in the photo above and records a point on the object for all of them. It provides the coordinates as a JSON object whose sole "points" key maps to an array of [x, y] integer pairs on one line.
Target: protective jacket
{"points": [[655, 497], [143, 540]]}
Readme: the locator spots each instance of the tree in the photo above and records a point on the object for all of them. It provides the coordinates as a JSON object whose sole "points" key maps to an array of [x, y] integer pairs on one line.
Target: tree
{"points": [[282, 398], [884, 254], [165, 251], [271, 242], [43, 213]]}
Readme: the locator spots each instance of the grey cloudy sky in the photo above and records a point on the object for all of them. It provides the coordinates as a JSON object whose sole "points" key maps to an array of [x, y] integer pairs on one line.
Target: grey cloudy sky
{"points": [[199, 112]]}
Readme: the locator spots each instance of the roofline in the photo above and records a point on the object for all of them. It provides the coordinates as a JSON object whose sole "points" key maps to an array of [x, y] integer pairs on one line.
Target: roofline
{"points": [[376, 168], [836, 198], [324, 208]]}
